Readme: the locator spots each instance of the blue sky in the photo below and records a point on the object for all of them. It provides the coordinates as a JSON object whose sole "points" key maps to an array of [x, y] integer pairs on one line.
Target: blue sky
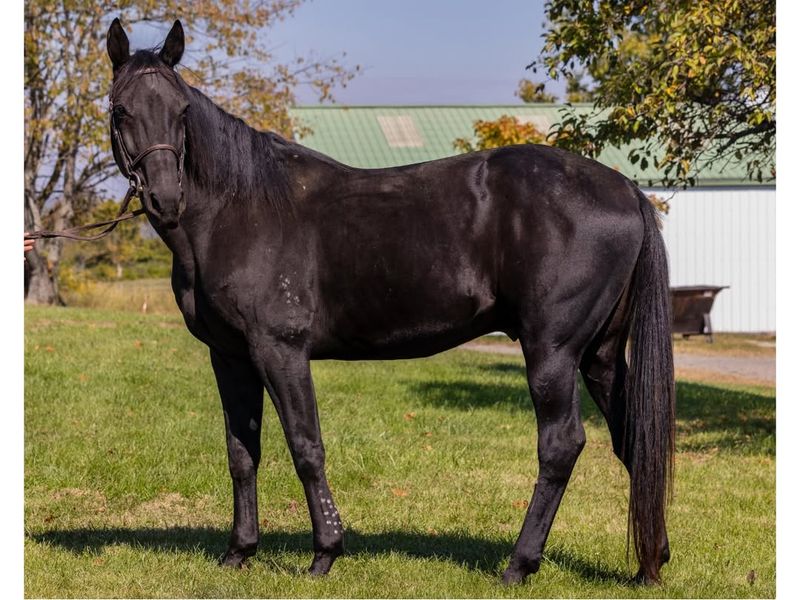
{"points": [[417, 51], [411, 51]]}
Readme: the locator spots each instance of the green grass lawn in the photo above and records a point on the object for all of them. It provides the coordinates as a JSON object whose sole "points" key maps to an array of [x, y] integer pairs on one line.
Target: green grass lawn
{"points": [[431, 462]]}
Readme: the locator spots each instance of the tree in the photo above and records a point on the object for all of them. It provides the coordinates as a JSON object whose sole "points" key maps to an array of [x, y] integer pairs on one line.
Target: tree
{"points": [[508, 130], [115, 252], [67, 78], [128, 253], [688, 83], [505, 131], [533, 93]]}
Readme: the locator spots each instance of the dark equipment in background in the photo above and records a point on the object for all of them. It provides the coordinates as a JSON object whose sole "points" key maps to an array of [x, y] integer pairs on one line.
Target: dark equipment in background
{"points": [[691, 309]]}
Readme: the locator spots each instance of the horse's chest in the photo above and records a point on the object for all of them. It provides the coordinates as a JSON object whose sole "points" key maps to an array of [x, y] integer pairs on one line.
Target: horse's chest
{"points": [[205, 322]]}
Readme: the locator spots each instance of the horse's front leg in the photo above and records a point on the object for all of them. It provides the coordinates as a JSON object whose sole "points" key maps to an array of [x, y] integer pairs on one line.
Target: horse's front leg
{"points": [[287, 377], [242, 393]]}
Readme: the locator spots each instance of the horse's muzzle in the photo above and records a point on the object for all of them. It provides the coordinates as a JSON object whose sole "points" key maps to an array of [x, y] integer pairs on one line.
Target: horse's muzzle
{"points": [[166, 207]]}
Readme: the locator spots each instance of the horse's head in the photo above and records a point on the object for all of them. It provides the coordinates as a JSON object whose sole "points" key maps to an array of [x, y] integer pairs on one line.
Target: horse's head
{"points": [[148, 105]]}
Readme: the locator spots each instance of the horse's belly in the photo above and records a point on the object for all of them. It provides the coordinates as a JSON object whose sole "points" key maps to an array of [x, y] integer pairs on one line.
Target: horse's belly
{"points": [[384, 324]]}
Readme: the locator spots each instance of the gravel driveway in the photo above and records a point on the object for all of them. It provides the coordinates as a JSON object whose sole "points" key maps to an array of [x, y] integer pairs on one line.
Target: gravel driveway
{"points": [[752, 368]]}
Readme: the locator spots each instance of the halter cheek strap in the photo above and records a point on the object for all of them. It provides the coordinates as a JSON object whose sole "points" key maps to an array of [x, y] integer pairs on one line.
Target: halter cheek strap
{"points": [[130, 165]]}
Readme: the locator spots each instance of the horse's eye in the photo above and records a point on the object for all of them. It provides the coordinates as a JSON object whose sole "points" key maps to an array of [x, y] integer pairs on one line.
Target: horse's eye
{"points": [[120, 112]]}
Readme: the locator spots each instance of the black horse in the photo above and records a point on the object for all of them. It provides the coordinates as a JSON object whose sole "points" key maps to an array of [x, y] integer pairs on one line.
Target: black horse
{"points": [[283, 255]]}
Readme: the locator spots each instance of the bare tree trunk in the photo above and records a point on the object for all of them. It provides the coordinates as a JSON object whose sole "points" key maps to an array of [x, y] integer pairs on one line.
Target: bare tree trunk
{"points": [[40, 287]]}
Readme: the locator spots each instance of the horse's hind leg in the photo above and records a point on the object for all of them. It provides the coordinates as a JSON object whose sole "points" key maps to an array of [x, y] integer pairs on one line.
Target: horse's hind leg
{"points": [[242, 394], [552, 378], [604, 370], [287, 376]]}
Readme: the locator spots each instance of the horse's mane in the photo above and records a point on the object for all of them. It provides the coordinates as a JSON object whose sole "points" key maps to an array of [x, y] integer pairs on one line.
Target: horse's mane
{"points": [[224, 155]]}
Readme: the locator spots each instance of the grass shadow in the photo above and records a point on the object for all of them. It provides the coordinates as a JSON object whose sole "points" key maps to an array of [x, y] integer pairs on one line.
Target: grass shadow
{"points": [[591, 571], [468, 394], [473, 553], [709, 417]]}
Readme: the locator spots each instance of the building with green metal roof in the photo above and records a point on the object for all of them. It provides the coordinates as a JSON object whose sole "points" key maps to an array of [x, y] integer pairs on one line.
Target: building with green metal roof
{"points": [[387, 136]]}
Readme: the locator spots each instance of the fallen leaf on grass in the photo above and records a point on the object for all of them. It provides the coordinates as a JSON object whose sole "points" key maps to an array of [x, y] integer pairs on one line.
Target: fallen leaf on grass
{"points": [[137, 343], [399, 492], [292, 506], [520, 504], [409, 416], [751, 577]]}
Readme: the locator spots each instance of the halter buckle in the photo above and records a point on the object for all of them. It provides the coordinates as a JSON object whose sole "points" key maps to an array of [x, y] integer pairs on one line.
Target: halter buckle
{"points": [[135, 182]]}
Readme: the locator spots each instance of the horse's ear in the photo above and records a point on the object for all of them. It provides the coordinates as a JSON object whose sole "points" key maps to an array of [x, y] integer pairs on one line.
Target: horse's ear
{"points": [[173, 46], [117, 44]]}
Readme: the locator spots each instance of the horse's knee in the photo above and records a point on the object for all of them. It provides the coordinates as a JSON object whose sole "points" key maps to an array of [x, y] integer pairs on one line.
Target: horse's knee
{"points": [[309, 458], [559, 448], [242, 463]]}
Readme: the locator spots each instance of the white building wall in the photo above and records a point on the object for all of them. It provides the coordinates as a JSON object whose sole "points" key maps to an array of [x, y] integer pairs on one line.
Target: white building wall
{"points": [[725, 236]]}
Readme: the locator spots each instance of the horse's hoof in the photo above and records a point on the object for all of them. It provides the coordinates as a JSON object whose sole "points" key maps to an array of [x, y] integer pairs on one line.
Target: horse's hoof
{"points": [[516, 573], [513, 577], [235, 559], [322, 563], [642, 578]]}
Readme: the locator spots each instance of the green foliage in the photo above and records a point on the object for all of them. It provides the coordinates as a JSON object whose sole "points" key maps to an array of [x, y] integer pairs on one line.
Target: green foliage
{"points": [[692, 83], [124, 254], [127, 490]]}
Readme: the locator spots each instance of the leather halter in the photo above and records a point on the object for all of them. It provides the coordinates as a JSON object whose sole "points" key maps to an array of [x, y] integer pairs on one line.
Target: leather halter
{"points": [[130, 165]]}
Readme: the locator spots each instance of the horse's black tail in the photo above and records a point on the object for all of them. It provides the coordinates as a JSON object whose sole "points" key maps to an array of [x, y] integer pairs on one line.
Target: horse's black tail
{"points": [[649, 440]]}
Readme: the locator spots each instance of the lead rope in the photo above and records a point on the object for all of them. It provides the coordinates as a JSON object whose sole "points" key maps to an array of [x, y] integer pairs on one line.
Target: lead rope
{"points": [[110, 224]]}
